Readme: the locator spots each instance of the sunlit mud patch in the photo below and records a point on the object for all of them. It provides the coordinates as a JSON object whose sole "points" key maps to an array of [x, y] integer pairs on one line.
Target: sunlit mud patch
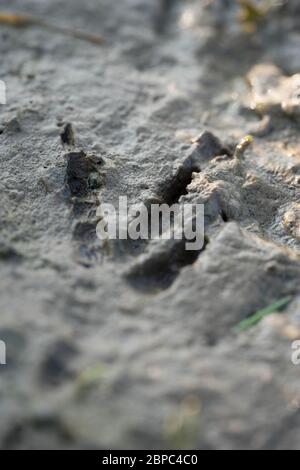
{"points": [[291, 221], [273, 92]]}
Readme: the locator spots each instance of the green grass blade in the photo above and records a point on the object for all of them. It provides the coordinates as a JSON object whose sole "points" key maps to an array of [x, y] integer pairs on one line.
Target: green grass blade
{"points": [[258, 316]]}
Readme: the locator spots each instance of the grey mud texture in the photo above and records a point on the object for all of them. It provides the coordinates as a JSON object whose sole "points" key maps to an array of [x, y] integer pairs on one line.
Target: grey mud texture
{"points": [[133, 345]]}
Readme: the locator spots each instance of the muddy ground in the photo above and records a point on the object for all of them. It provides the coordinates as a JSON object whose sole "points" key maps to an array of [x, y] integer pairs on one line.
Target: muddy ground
{"points": [[133, 345]]}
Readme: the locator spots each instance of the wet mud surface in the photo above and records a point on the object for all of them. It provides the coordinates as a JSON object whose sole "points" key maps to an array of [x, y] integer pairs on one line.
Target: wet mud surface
{"points": [[134, 344]]}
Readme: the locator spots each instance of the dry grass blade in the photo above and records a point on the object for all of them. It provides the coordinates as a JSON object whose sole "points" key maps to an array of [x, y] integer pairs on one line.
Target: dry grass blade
{"points": [[13, 19], [22, 21], [72, 32]]}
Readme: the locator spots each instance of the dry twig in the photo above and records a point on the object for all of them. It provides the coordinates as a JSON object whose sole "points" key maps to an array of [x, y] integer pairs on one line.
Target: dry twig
{"points": [[22, 21]]}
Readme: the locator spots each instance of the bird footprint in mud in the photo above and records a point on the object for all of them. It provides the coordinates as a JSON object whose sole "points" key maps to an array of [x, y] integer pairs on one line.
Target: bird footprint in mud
{"points": [[232, 186], [83, 177], [83, 180], [163, 259]]}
